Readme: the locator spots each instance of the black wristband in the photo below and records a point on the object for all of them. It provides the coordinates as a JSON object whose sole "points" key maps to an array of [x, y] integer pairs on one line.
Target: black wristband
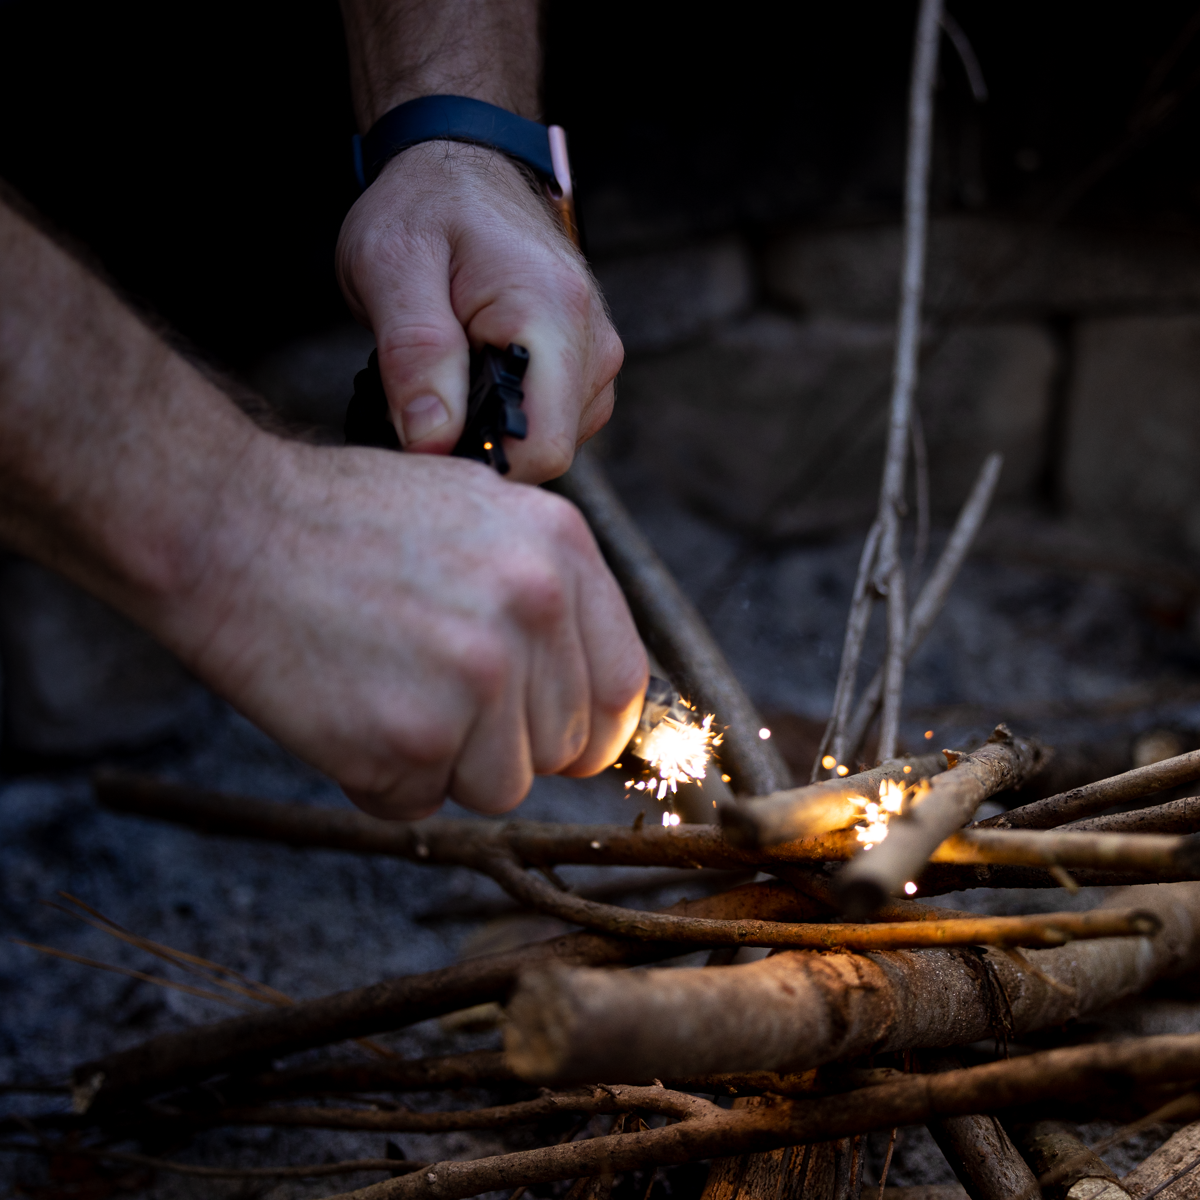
{"points": [[452, 119]]}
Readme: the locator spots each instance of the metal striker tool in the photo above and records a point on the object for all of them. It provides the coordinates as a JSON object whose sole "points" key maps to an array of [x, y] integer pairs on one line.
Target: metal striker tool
{"points": [[662, 701], [493, 407]]}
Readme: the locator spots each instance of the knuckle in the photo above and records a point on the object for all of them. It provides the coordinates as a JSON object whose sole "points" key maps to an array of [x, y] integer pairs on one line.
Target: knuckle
{"points": [[538, 594]]}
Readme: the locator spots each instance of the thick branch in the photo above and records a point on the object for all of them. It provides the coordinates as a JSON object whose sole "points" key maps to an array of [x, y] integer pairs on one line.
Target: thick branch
{"points": [[980, 1151], [1060, 1159], [1095, 797], [675, 631], [797, 1010], [945, 806]]}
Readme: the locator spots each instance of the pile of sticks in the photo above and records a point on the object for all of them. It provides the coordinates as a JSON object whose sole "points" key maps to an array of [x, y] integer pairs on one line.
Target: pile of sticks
{"points": [[844, 1029]]}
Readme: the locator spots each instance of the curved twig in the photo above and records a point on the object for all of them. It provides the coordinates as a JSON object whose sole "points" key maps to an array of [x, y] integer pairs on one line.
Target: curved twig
{"points": [[678, 1105]]}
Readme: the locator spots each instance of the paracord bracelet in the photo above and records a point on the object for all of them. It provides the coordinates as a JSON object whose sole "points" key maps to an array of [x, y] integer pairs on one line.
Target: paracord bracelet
{"points": [[455, 119]]}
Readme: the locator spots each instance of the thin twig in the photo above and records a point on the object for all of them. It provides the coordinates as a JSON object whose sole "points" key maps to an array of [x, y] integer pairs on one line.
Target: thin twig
{"points": [[933, 594], [887, 1159], [880, 570]]}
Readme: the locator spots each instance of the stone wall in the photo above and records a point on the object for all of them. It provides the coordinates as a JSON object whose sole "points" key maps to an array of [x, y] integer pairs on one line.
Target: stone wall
{"points": [[757, 378]]}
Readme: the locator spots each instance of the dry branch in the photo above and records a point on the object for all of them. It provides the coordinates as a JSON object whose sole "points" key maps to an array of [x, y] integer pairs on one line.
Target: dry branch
{"points": [[1176, 816], [1093, 798], [471, 843], [675, 632], [1097, 850], [820, 807], [1013, 931], [933, 594], [1061, 1160], [432, 842], [980, 1151], [949, 801], [797, 1010], [1077, 1072], [192, 1054], [590, 1100]]}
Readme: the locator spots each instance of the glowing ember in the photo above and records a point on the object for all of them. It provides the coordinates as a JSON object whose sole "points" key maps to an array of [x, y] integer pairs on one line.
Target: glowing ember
{"points": [[670, 819], [876, 813], [829, 762], [910, 888]]}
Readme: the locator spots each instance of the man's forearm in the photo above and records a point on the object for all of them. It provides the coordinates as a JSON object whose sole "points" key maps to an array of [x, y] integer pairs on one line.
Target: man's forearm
{"points": [[114, 452], [399, 49]]}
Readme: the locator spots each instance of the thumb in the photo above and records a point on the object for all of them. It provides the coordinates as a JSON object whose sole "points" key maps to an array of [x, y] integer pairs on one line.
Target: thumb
{"points": [[424, 356]]}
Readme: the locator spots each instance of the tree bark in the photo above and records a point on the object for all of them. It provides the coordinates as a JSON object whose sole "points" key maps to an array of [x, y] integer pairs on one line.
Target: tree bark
{"points": [[799, 1009]]}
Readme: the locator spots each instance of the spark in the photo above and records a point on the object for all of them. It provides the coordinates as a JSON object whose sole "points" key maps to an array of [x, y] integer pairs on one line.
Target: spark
{"points": [[877, 813], [842, 769], [724, 779], [678, 751], [829, 762], [670, 818], [910, 888], [928, 734], [764, 733]]}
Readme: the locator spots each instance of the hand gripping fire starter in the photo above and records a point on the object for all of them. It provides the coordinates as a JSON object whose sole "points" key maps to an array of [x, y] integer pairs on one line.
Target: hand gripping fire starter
{"points": [[493, 407], [494, 413]]}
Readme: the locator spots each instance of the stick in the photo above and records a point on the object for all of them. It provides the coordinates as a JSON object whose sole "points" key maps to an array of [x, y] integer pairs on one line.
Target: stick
{"points": [[1147, 852], [1095, 797], [675, 632], [475, 1069], [504, 1116], [933, 595], [797, 1010], [171, 1059], [949, 802], [819, 807], [432, 842], [1176, 816], [880, 570], [1049, 1145], [979, 1150], [908, 337], [1075, 1072]]}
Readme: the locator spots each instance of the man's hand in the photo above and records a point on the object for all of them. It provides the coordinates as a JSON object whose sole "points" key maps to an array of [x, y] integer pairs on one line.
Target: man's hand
{"points": [[413, 626], [451, 247]]}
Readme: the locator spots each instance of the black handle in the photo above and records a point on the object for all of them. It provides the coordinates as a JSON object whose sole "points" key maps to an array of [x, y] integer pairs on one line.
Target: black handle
{"points": [[493, 407]]}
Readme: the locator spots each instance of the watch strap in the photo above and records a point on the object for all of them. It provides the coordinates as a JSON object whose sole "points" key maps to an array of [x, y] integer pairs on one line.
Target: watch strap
{"points": [[452, 119]]}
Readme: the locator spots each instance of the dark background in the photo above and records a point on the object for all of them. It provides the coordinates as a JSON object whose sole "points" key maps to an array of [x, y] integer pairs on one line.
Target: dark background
{"points": [[201, 151]]}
